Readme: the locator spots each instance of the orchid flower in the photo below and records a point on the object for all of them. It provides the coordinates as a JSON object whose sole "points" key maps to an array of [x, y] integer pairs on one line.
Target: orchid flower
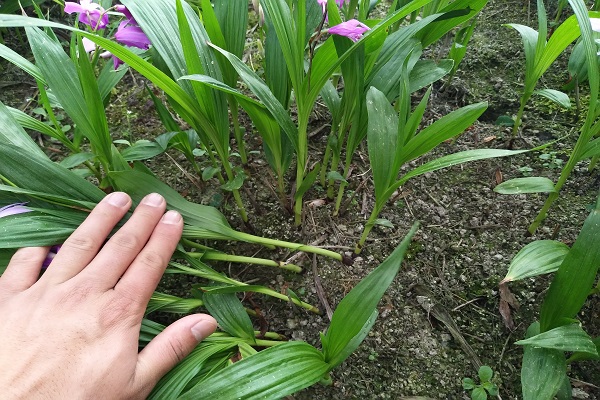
{"points": [[19, 208], [91, 14], [130, 34], [352, 29]]}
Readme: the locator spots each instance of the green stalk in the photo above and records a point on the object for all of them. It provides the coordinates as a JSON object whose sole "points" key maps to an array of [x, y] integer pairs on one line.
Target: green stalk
{"points": [[236, 192], [340, 195], [239, 134], [564, 175], [301, 160], [182, 269], [288, 245], [217, 256], [334, 166], [368, 226], [524, 99], [326, 159]]}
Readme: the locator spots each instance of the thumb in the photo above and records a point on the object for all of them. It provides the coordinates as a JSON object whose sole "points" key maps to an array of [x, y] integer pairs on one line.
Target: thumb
{"points": [[170, 347]]}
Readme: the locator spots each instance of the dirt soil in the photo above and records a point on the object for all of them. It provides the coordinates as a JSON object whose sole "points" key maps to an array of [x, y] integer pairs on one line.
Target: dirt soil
{"points": [[447, 290]]}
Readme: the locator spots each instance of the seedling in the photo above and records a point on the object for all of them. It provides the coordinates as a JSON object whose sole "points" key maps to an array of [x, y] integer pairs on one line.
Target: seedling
{"points": [[485, 387]]}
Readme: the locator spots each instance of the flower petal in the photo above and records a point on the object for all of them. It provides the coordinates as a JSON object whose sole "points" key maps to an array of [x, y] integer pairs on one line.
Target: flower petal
{"points": [[132, 35], [13, 209], [352, 29]]}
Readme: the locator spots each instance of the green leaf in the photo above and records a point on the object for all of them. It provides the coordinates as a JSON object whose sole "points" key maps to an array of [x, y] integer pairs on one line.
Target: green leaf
{"points": [[542, 371], [530, 39], [208, 219], [426, 72], [172, 304], [382, 136], [21, 62], [270, 374], [478, 394], [575, 276], [383, 222], [560, 98], [230, 314], [336, 176], [358, 308], [236, 183], [42, 175], [468, 384], [76, 159], [453, 14], [453, 159], [505, 120], [209, 173], [38, 229], [485, 374], [62, 77], [141, 150], [534, 184], [536, 258], [262, 91], [570, 337], [12, 133], [173, 384], [578, 356], [591, 149], [443, 129]]}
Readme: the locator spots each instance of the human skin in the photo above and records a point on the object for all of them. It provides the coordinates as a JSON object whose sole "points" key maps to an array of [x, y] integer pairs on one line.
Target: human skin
{"points": [[73, 333]]}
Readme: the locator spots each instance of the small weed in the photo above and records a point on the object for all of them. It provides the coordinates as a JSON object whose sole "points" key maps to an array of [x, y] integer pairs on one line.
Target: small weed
{"points": [[481, 391]]}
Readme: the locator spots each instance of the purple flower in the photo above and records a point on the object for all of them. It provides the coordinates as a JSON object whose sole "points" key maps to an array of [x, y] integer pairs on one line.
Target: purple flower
{"points": [[130, 34], [122, 9], [51, 254], [352, 29], [13, 209], [91, 14], [88, 45]]}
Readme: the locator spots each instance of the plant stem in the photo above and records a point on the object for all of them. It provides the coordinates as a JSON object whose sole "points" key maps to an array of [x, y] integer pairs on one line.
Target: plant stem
{"points": [[368, 226], [239, 134], [342, 188], [217, 256], [236, 192], [524, 99], [288, 245], [301, 159]]}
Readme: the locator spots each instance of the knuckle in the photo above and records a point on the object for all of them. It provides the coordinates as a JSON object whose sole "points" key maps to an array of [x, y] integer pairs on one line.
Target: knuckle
{"points": [[126, 241], [82, 243], [177, 349], [152, 259], [25, 256]]}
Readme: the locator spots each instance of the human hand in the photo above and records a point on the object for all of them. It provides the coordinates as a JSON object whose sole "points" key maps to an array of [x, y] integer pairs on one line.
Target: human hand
{"points": [[73, 333]]}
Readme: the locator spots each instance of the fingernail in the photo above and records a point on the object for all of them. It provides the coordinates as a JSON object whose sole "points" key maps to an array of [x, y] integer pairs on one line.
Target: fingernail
{"points": [[118, 199], [204, 328], [171, 217], [153, 200]]}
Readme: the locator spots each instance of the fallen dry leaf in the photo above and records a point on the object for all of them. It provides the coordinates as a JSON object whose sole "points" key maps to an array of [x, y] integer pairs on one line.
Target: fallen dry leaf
{"points": [[507, 301]]}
